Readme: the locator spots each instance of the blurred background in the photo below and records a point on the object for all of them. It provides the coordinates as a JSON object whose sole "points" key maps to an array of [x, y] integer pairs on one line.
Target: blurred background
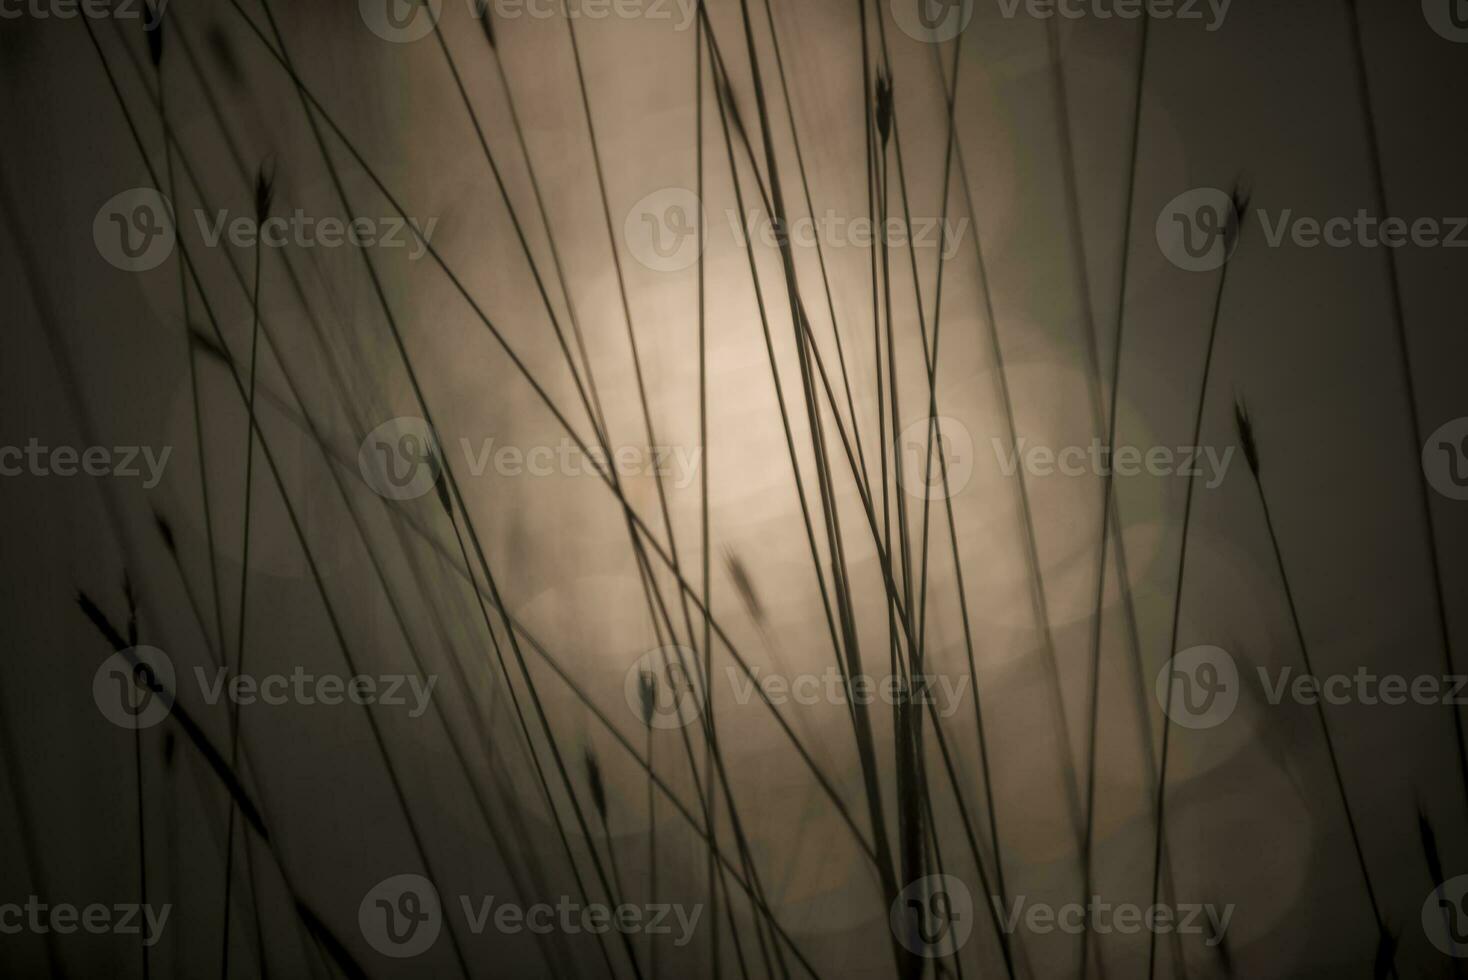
{"points": [[570, 412]]}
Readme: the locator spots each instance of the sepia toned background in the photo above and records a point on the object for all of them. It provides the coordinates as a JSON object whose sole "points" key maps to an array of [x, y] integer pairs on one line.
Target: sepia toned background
{"points": [[593, 277]]}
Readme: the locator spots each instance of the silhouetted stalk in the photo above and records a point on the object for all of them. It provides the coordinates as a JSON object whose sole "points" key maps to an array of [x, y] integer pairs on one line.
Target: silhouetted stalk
{"points": [[1232, 231], [1409, 384], [1251, 454]]}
